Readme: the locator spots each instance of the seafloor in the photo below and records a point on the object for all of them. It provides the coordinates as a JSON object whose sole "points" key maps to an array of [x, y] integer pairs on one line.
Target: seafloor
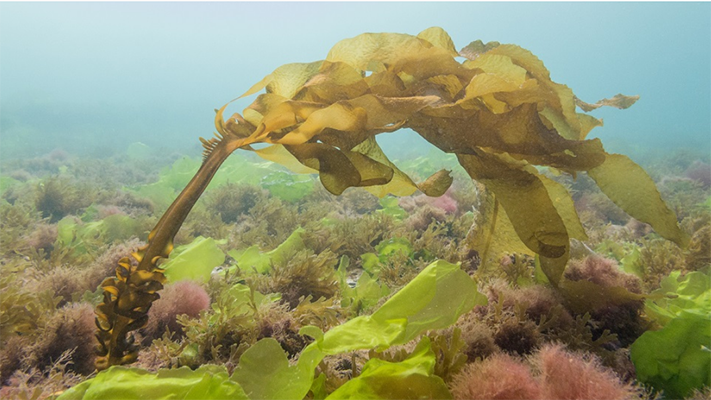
{"points": [[265, 253]]}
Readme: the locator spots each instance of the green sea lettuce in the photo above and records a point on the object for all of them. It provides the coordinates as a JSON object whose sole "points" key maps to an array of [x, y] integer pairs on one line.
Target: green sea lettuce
{"points": [[287, 186], [82, 236], [173, 178], [7, 182], [677, 358], [434, 299], [391, 207], [412, 378], [264, 373], [120, 383], [251, 258], [194, 261], [367, 291], [689, 293]]}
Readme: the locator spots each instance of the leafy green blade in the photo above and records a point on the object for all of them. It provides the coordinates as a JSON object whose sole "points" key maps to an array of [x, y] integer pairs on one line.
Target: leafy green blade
{"points": [[206, 383], [675, 359], [413, 378], [194, 261], [432, 300], [251, 258]]}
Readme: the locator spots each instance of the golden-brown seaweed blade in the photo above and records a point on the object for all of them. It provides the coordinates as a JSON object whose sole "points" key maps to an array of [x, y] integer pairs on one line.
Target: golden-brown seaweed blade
{"points": [[628, 186], [525, 199]]}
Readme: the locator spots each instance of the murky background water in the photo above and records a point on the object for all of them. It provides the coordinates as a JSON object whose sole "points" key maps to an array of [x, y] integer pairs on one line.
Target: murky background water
{"points": [[93, 78]]}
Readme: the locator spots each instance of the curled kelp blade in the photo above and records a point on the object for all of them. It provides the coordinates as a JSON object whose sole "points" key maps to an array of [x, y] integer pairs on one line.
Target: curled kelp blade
{"points": [[618, 101], [286, 80], [338, 169]]}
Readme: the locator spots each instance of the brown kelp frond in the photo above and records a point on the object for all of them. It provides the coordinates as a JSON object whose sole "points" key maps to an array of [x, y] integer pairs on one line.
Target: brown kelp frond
{"points": [[499, 111]]}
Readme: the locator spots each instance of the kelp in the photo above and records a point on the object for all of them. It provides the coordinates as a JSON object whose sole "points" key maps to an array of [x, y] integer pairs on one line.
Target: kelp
{"points": [[498, 111]]}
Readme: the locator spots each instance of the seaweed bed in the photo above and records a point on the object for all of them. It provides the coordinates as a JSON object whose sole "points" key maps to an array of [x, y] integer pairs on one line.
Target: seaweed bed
{"points": [[283, 286]]}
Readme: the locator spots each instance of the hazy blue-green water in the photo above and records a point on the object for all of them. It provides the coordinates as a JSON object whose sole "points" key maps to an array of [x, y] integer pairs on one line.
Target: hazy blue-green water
{"points": [[92, 78]]}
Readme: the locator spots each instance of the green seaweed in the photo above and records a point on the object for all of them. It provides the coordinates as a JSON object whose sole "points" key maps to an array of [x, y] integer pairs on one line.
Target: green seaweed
{"points": [[194, 261], [677, 358], [690, 293], [86, 237], [206, 383], [173, 178], [252, 259], [7, 182], [366, 293], [390, 207], [412, 378], [441, 293]]}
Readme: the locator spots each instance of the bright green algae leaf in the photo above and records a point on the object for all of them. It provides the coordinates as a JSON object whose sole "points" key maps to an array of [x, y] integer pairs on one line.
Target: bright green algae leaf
{"points": [[675, 359], [6, 182], [251, 258], [435, 299], [395, 245], [174, 178], [194, 261], [206, 383], [677, 294], [81, 236], [138, 151], [367, 291], [412, 378], [264, 373]]}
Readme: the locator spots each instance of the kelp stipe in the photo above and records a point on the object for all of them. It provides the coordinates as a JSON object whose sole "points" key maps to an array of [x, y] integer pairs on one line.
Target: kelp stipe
{"points": [[129, 295], [498, 111]]}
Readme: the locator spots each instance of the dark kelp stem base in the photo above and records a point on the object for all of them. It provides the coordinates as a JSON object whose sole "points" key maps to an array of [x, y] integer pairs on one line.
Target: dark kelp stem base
{"points": [[129, 295]]}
